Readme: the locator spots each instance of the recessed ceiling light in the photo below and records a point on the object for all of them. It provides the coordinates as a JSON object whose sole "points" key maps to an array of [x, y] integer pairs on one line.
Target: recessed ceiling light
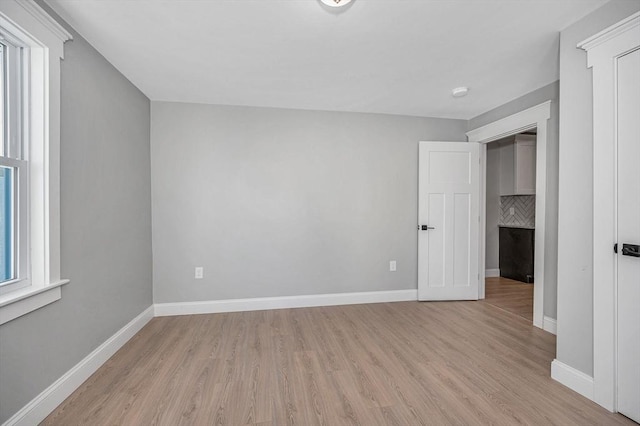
{"points": [[459, 92], [336, 3]]}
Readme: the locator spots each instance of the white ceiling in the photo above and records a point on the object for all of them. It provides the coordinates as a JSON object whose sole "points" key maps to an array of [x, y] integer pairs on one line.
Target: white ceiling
{"points": [[383, 56]]}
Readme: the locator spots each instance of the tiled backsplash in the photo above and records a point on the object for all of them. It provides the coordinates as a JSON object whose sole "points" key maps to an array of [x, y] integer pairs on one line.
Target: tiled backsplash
{"points": [[524, 210]]}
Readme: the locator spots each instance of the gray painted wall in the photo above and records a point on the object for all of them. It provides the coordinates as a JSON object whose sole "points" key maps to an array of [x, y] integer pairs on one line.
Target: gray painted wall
{"points": [[575, 272], [546, 93], [493, 206], [276, 202], [106, 229]]}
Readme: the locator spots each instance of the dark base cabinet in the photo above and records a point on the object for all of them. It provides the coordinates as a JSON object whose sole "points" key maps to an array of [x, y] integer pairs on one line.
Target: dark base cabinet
{"points": [[516, 253]]}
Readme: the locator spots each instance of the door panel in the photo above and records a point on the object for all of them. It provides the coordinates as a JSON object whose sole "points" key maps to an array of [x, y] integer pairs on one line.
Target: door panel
{"points": [[449, 167], [628, 232], [449, 189], [435, 242]]}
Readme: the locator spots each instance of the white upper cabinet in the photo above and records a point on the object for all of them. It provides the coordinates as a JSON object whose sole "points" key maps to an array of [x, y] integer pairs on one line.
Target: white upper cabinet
{"points": [[518, 166]]}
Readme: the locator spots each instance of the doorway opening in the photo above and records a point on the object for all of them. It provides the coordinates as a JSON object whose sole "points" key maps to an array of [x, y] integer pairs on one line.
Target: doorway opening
{"points": [[510, 223], [525, 121]]}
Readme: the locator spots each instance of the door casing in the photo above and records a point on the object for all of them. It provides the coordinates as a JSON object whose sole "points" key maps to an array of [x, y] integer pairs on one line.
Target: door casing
{"points": [[535, 117]]}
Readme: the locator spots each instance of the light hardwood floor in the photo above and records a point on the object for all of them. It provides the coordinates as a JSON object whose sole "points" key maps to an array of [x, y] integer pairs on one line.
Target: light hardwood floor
{"points": [[513, 296], [407, 363]]}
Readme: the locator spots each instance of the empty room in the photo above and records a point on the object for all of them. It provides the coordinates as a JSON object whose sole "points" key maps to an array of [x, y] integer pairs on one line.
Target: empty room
{"points": [[332, 212]]}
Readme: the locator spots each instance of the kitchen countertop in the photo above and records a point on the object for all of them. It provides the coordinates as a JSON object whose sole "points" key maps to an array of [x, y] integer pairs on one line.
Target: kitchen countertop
{"points": [[516, 226]]}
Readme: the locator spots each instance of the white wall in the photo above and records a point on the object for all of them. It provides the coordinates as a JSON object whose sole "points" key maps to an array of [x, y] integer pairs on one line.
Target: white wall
{"points": [[575, 218], [276, 202], [493, 206]]}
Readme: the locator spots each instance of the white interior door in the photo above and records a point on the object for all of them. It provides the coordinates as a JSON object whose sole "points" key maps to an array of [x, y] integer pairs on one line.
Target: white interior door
{"points": [[628, 212], [448, 214]]}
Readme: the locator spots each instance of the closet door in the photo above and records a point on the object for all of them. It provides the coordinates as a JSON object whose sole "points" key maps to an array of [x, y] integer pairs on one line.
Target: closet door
{"points": [[628, 256], [614, 56]]}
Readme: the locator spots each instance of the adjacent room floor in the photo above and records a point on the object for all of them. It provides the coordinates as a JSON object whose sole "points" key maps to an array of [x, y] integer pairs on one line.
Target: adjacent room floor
{"points": [[403, 363], [510, 295]]}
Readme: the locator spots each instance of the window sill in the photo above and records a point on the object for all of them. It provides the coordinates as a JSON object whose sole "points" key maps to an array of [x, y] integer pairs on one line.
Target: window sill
{"points": [[23, 301]]}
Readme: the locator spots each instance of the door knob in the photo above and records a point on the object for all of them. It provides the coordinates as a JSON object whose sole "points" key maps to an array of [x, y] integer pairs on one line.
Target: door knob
{"points": [[632, 250], [425, 227]]}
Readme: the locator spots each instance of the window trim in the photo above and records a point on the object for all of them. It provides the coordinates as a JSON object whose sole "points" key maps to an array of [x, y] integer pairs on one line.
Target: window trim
{"points": [[45, 40]]}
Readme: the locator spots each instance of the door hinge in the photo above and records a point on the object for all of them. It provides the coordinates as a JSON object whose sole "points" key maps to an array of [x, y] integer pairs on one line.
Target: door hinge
{"points": [[615, 248]]}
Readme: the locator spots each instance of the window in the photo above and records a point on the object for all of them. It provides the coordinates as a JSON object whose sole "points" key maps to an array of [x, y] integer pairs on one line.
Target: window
{"points": [[14, 188], [31, 46]]}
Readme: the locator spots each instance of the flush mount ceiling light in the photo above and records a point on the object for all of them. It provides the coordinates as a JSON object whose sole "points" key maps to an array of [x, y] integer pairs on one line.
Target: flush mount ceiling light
{"points": [[336, 3], [459, 92]]}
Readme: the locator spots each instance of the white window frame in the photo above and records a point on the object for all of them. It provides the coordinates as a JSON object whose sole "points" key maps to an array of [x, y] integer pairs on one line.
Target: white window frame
{"points": [[43, 39]]}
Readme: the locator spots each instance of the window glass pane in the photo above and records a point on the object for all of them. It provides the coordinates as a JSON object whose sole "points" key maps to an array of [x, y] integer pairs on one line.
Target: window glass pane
{"points": [[3, 104], [7, 203]]}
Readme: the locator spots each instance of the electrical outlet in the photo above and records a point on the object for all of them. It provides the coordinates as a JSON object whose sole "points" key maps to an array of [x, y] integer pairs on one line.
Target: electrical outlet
{"points": [[512, 211], [199, 273], [392, 265]]}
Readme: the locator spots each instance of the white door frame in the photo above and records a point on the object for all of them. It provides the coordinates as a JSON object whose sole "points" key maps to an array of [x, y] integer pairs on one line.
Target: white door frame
{"points": [[534, 117], [602, 51]]}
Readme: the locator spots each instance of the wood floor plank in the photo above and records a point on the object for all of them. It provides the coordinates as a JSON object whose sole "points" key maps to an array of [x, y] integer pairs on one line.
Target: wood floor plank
{"points": [[510, 295], [406, 363]]}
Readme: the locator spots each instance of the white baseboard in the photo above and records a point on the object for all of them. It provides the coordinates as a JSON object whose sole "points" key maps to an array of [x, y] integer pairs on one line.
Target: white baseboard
{"points": [[488, 273], [44, 404], [573, 379], [264, 303], [549, 324]]}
